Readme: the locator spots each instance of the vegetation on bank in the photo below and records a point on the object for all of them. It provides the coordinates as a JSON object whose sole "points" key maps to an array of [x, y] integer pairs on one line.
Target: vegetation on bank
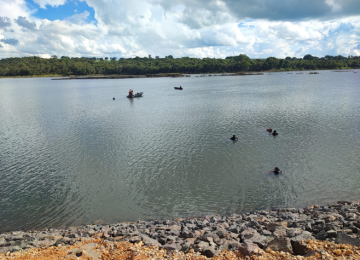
{"points": [[65, 66]]}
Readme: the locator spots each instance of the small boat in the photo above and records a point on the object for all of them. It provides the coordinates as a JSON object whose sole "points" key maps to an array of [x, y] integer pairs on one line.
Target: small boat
{"points": [[178, 88], [135, 95]]}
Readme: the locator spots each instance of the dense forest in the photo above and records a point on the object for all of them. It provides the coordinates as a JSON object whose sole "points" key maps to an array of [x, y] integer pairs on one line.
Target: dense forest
{"points": [[36, 66]]}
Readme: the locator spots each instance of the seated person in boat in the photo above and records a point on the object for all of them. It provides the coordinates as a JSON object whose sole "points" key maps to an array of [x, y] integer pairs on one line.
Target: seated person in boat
{"points": [[131, 93], [233, 138]]}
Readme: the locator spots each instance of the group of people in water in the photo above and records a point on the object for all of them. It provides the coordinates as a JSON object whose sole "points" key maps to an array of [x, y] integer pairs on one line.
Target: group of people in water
{"points": [[234, 138], [272, 132], [276, 170]]}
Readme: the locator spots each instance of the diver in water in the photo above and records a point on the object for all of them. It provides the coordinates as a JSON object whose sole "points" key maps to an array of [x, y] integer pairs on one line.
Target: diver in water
{"points": [[276, 170]]}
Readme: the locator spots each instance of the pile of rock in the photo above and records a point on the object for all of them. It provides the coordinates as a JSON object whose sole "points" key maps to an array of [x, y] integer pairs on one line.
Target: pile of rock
{"points": [[283, 229]]}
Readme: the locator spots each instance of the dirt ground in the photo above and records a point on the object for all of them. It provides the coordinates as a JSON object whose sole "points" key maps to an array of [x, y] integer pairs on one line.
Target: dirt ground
{"points": [[99, 249]]}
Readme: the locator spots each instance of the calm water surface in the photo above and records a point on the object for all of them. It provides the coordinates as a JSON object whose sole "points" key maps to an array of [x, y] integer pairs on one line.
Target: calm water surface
{"points": [[70, 155]]}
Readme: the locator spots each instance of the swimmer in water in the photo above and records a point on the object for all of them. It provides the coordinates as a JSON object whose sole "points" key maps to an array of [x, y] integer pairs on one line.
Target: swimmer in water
{"points": [[233, 138], [276, 170]]}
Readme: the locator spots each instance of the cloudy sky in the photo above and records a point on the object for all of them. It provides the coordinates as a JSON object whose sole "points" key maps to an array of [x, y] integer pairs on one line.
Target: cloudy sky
{"points": [[194, 28]]}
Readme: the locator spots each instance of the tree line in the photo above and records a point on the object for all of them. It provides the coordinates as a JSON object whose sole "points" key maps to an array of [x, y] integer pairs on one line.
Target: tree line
{"points": [[36, 66]]}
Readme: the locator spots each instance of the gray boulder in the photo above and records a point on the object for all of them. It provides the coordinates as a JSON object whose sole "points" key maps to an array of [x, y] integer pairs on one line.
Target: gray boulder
{"points": [[343, 238], [248, 233], [280, 231], [331, 233], [209, 251], [281, 244], [322, 235], [171, 247], [248, 248], [149, 241], [324, 254]]}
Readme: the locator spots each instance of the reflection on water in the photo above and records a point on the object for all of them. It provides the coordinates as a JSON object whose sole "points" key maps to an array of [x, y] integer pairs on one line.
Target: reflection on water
{"points": [[69, 154]]}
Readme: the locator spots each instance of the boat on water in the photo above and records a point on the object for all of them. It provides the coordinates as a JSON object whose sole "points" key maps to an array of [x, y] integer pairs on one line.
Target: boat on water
{"points": [[139, 94], [178, 88]]}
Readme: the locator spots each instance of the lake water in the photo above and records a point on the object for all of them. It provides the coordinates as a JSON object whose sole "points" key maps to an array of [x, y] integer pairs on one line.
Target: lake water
{"points": [[70, 155]]}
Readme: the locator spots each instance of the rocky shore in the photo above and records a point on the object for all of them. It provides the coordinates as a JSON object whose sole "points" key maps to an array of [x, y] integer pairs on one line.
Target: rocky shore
{"points": [[289, 230]]}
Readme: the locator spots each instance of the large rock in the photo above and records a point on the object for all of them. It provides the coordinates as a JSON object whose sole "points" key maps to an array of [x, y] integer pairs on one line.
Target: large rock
{"points": [[200, 246], [322, 235], [343, 238], [248, 248], [331, 233], [134, 239], [280, 231], [209, 251], [281, 244], [233, 246], [303, 237], [187, 244], [222, 234], [322, 253], [299, 242], [16, 237], [293, 232], [248, 233], [273, 225], [149, 241], [171, 247], [251, 235], [205, 237], [299, 247]]}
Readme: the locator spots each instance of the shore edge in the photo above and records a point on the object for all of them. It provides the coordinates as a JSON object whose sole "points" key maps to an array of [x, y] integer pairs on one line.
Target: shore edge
{"points": [[288, 230]]}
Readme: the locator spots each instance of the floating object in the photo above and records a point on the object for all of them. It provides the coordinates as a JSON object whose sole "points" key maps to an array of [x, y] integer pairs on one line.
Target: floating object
{"points": [[269, 130], [135, 95], [113, 98]]}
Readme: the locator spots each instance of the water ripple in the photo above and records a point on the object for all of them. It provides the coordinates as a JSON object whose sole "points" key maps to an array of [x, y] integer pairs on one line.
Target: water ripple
{"points": [[69, 154]]}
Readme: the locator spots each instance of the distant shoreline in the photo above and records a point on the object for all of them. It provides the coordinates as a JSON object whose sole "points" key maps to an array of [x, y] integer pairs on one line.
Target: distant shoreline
{"points": [[155, 76], [167, 75]]}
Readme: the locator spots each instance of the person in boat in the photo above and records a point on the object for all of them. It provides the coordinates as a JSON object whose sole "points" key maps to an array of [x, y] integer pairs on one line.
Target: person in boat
{"points": [[233, 138], [276, 170], [180, 87], [274, 133], [131, 93], [269, 130]]}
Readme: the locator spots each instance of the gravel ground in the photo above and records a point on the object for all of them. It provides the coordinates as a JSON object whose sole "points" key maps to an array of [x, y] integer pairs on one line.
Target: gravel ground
{"points": [[318, 232], [100, 249]]}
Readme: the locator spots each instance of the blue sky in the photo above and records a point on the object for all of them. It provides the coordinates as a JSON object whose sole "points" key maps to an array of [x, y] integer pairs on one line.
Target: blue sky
{"points": [[197, 28], [61, 12]]}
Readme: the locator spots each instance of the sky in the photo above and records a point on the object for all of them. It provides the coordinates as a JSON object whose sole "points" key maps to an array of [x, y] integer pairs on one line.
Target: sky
{"points": [[181, 28]]}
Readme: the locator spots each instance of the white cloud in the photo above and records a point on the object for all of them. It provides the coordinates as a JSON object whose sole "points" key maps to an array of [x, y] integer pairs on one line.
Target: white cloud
{"points": [[13, 9], [178, 28], [53, 3]]}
